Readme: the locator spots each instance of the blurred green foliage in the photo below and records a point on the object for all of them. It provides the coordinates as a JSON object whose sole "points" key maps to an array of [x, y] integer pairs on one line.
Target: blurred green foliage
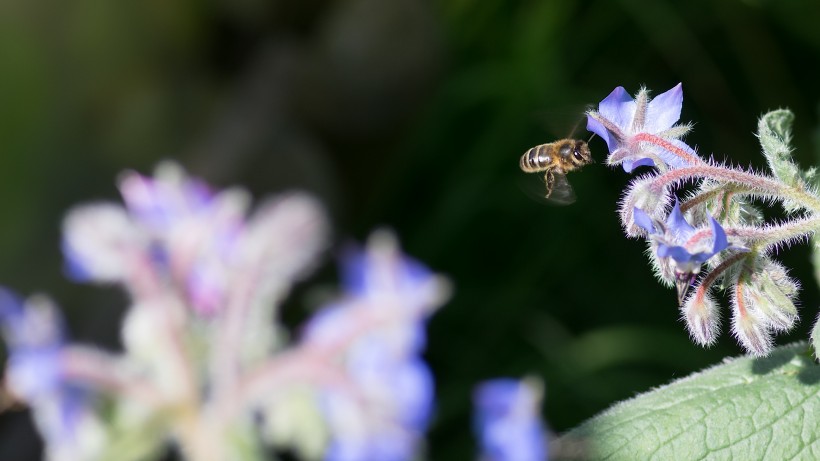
{"points": [[413, 115]]}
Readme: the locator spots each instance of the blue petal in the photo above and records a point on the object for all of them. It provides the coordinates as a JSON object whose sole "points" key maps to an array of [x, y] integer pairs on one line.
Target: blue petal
{"points": [[721, 243], [682, 256], [507, 422], [618, 107], [11, 309], [677, 224], [701, 257], [364, 275], [492, 398], [643, 220], [354, 271], [386, 446], [664, 110], [662, 251], [630, 164], [678, 253], [596, 127], [413, 384]]}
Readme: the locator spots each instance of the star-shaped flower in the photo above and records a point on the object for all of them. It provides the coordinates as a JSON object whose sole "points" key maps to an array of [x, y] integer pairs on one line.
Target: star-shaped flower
{"points": [[642, 131], [676, 247]]}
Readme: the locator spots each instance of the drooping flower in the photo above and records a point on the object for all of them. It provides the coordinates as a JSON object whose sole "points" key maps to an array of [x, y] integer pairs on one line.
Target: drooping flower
{"points": [[507, 421], [642, 131], [680, 255], [376, 335]]}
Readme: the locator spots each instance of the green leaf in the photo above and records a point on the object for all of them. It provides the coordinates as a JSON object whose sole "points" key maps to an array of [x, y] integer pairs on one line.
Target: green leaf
{"points": [[774, 131], [745, 408]]}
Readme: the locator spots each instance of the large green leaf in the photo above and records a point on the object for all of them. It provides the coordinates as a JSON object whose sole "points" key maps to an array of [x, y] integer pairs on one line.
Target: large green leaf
{"points": [[745, 408]]}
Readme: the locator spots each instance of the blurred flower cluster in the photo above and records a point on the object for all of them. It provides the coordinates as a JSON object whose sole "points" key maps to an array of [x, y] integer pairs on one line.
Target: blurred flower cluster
{"points": [[701, 218], [205, 365], [207, 368]]}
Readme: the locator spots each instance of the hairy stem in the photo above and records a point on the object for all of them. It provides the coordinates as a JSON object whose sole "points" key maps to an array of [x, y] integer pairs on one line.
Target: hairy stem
{"points": [[757, 184], [106, 373], [671, 148], [763, 238]]}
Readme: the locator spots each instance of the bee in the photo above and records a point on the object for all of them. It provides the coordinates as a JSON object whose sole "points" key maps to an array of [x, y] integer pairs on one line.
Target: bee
{"points": [[556, 159]]}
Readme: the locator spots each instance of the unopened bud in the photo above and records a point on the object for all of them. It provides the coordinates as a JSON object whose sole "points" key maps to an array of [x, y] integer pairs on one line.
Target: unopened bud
{"points": [[701, 315]]}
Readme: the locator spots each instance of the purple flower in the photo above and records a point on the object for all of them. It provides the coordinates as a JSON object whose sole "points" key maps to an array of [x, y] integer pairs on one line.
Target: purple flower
{"points": [[172, 227], [377, 334], [508, 422], [33, 332], [176, 235], [192, 230], [673, 242], [642, 132]]}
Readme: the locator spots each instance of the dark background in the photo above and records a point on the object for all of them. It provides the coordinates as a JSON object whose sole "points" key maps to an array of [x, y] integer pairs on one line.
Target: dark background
{"points": [[412, 115]]}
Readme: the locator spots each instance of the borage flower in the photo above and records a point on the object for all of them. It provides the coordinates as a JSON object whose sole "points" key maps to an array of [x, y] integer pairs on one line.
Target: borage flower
{"points": [[642, 132], [507, 421], [173, 228], [376, 334], [175, 232], [681, 250], [180, 249]]}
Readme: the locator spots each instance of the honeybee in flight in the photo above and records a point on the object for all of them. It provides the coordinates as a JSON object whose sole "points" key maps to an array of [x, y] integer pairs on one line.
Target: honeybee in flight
{"points": [[556, 159]]}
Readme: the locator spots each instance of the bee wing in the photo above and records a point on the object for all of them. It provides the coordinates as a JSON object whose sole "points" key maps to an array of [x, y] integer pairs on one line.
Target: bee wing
{"points": [[561, 192]]}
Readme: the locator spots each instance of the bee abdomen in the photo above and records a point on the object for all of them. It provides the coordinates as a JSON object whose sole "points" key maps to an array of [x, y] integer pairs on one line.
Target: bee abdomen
{"points": [[534, 160]]}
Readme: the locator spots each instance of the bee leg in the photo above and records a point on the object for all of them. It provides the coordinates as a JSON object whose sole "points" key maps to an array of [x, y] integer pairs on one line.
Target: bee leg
{"points": [[549, 178]]}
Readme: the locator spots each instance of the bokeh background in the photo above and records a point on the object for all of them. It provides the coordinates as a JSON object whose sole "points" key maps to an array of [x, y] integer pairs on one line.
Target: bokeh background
{"points": [[409, 114]]}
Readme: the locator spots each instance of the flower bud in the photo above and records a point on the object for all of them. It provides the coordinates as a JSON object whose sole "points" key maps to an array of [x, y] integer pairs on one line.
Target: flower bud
{"points": [[640, 195], [701, 315], [750, 324], [772, 294]]}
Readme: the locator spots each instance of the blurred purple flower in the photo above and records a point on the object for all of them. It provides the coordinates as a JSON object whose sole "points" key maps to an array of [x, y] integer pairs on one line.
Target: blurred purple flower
{"points": [[642, 132], [172, 227], [507, 421], [33, 333], [174, 232], [377, 334]]}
